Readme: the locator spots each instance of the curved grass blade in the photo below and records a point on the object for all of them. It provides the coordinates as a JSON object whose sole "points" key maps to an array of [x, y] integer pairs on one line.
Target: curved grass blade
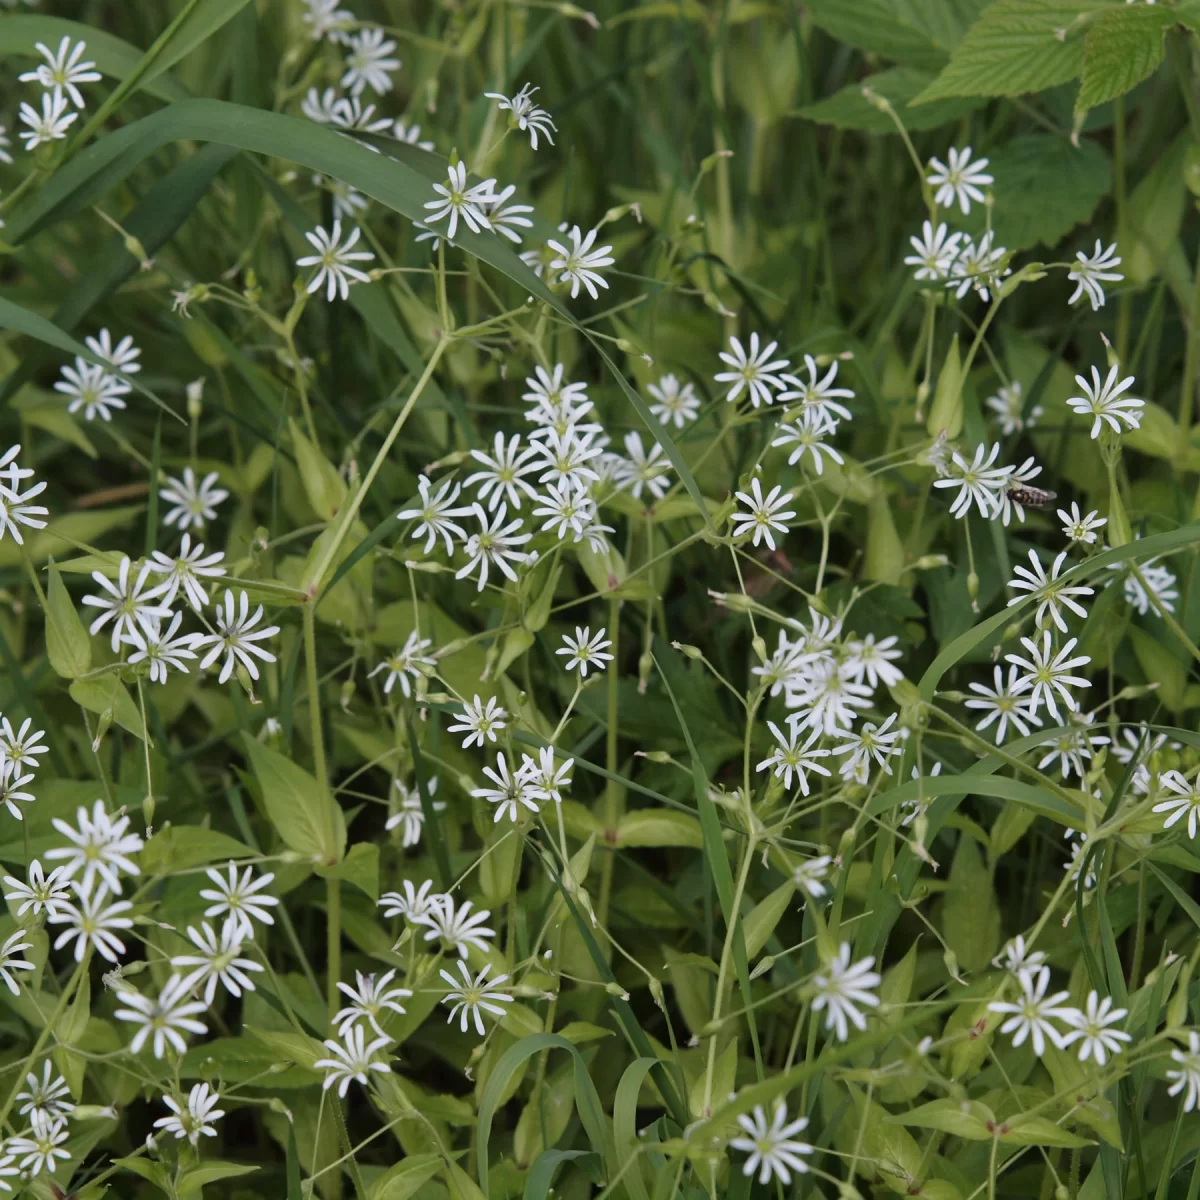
{"points": [[112, 55], [541, 1174], [625, 1123]]}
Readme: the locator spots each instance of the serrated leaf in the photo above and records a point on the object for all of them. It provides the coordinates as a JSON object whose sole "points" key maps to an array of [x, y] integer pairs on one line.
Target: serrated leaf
{"points": [[849, 108], [1044, 187], [1120, 50], [1016, 46], [921, 32]]}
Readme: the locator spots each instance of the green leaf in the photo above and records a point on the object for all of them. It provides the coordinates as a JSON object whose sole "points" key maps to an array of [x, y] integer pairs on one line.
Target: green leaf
{"points": [[541, 1174], [197, 27], [1044, 187], [360, 867], [965, 1119], [298, 805], [67, 643], [1038, 1131], [762, 919], [658, 827], [970, 914], [296, 1048], [1121, 49], [178, 847], [920, 32], [324, 487], [402, 1180], [1016, 46], [192, 1181], [113, 56], [106, 696], [850, 109]]}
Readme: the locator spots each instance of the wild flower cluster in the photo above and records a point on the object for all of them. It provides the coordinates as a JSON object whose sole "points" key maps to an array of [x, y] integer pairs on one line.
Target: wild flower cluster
{"points": [[709, 701]]}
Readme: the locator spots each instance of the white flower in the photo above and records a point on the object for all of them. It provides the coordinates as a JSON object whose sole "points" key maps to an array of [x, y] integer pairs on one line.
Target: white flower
{"points": [[435, 513], [818, 395], [194, 502], [510, 791], [1090, 272], [842, 988], [123, 357], [219, 960], [789, 756], [161, 648], [62, 71], [569, 457], [525, 115], [320, 106], [41, 893], [236, 638], [765, 513], [194, 1120], [1016, 959], [546, 778], [1106, 402], [1072, 745], [352, 114], [567, 509], [410, 134], [1080, 528], [1033, 1015], [755, 371], [43, 1148], [1188, 1074], [1008, 404], [9, 960], [503, 217], [99, 849], [1185, 802], [368, 62], [92, 389], [1049, 592], [808, 436], [1091, 1029], [455, 199], [10, 467], [645, 470], [473, 996], [1019, 481], [502, 478], [334, 258], [411, 814], [186, 570], [494, 544], [1160, 583], [585, 650], [977, 480], [1004, 702], [827, 699], [409, 661], [11, 784], [50, 125], [125, 602], [241, 898], [459, 928], [8, 1162], [478, 722], [5, 142], [674, 403], [960, 179], [979, 265], [351, 1059], [580, 264], [91, 921], [1048, 673], [414, 905], [773, 1147], [550, 395], [866, 657], [164, 1019], [809, 876], [369, 1001], [325, 18], [934, 251], [49, 1095], [15, 511], [870, 743]]}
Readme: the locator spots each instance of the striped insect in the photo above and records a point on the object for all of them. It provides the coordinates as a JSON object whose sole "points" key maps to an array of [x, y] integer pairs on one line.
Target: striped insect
{"points": [[1030, 497]]}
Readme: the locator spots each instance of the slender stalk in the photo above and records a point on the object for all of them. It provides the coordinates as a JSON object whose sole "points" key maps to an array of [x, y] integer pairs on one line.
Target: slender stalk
{"points": [[612, 791]]}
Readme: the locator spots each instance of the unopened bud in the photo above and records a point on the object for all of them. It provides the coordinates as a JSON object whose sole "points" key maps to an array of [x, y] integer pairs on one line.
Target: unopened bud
{"points": [[102, 727], [347, 694], [973, 586], [692, 652], [656, 993], [928, 562], [655, 756], [759, 647], [243, 677], [195, 396], [148, 812], [763, 966], [277, 1106], [615, 989], [428, 568]]}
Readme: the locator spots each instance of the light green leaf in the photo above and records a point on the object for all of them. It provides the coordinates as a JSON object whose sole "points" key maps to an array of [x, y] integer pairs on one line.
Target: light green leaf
{"points": [[850, 109], [1016, 46], [1037, 1131], [192, 1181], [658, 827], [360, 867], [920, 32], [106, 696], [298, 805], [402, 1180], [67, 643], [970, 914], [178, 847], [1121, 49], [965, 1119], [324, 487], [762, 919], [199, 25]]}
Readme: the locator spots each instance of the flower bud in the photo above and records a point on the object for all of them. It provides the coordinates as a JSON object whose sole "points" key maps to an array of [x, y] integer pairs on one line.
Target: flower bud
{"points": [[692, 652]]}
